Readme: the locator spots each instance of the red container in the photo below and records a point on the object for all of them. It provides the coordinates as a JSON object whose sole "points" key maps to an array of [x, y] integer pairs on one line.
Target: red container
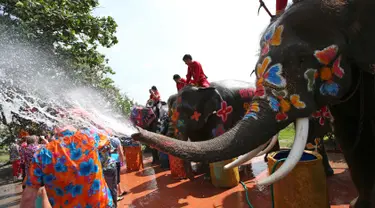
{"points": [[134, 159], [177, 167]]}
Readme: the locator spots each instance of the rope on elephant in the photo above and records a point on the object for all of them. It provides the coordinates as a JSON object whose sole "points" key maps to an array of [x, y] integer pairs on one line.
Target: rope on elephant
{"points": [[272, 194]]}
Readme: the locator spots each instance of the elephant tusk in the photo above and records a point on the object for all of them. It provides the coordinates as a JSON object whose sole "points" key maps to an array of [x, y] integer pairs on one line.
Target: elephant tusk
{"points": [[254, 153], [270, 146], [246, 157], [300, 139]]}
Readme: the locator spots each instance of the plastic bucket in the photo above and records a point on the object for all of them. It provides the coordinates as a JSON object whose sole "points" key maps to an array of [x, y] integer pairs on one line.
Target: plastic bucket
{"points": [[176, 166], [164, 160], [304, 186], [134, 159], [221, 178]]}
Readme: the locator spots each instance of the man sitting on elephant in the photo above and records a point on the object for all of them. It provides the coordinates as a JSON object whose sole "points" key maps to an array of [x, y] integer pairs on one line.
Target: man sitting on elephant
{"points": [[155, 97], [195, 70], [180, 82]]}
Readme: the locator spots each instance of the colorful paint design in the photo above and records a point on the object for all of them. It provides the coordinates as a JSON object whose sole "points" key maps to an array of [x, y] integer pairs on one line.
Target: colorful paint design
{"points": [[322, 115], [315, 146], [253, 110], [219, 130], [196, 116], [281, 104], [224, 111], [331, 68], [142, 117], [247, 93], [268, 75], [272, 38], [246, 106], [175, 115]]}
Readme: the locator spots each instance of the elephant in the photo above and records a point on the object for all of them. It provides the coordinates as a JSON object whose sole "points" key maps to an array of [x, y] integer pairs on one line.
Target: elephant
{"points": [[145, 117], [237, 94], [316, 53], [200, 114]]}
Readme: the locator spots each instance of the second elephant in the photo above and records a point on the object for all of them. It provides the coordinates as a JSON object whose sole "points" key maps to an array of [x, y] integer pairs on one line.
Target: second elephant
{"points": [[200, 114]]}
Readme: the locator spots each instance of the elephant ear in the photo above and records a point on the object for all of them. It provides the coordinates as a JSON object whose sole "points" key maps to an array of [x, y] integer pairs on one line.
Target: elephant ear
{"points": [[211, 101]]}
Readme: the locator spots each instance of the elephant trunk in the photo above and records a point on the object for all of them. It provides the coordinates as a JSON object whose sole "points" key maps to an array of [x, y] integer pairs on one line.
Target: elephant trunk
{"points": [[247, 135]]}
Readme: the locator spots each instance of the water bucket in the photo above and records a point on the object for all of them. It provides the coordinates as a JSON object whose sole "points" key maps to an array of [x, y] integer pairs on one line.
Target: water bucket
{"points": [[304, 186], [177, 167], [221, 178], [134, 159]]}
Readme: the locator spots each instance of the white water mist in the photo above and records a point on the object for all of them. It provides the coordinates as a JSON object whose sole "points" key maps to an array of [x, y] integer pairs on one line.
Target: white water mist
{"points": [[34, 87]]}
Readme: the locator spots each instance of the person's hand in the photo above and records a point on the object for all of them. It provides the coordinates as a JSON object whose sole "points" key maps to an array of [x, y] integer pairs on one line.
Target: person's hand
{"points": [[150, 90]]}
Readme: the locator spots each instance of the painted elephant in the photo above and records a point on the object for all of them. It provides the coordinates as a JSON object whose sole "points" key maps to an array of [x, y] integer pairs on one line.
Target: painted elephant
{"points": [[146, 118], [200, 114], [238, 94], [317, 53]]}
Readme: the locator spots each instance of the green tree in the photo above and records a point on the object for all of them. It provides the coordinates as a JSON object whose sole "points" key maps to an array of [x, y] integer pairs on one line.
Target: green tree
{"points": [[67, 29]]}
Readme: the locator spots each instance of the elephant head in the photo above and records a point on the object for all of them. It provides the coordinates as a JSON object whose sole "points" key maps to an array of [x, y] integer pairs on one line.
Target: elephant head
{"points": [[303, 65], [142, 117], [191, 109]]}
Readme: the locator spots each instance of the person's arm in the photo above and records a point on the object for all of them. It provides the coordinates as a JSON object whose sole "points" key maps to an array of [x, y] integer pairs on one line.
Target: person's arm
{"points": [[157, 95], [33, 183], [28, 197], [121, 154]]}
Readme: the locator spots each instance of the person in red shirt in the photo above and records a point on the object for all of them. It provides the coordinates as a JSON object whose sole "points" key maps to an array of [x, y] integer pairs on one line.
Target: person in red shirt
{"points": [[180, 82], [195, 71], [155, 97]]}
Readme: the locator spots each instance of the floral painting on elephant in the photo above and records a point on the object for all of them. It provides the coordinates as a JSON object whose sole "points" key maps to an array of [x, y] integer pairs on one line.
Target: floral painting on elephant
{"points": [[141, 116]]}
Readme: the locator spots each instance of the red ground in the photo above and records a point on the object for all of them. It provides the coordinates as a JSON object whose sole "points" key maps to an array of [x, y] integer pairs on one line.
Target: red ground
{"points": [[155, 188]]}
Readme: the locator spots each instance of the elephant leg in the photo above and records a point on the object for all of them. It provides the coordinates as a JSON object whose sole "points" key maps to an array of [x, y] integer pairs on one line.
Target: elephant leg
{"points": [[155, 156], [327, 167], [206, 170], [360, 157], [188, 170]]}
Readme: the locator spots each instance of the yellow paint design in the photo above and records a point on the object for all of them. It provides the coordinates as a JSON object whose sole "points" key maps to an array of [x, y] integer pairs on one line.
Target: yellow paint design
{"points": [[276, 38], [254, 107], [261, 68], [296, 102], [284, 106]]}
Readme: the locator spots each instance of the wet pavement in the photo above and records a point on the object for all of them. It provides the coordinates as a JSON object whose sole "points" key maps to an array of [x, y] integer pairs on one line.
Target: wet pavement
{"points": [[155, 188]]}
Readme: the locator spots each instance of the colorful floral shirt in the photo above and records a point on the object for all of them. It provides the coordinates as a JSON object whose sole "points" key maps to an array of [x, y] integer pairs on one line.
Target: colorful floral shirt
{"points": [[105, 158], [71, 172], [14, 152], [28, 154], [22, 152]]}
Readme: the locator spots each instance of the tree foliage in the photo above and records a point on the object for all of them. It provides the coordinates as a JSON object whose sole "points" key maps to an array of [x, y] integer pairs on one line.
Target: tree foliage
{"points": [[68, 29]]}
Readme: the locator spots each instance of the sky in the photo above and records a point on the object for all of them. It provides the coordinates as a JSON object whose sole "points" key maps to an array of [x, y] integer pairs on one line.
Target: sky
{"points": [[154, 35]]}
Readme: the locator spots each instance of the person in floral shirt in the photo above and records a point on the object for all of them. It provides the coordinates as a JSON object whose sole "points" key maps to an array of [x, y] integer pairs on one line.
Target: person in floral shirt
{"points": [[70, 169], [29, 151], [110, 170], [15, 159]]}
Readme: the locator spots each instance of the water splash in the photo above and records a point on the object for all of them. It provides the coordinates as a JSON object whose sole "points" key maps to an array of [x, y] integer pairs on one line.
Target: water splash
{"points": [[34, 87]]}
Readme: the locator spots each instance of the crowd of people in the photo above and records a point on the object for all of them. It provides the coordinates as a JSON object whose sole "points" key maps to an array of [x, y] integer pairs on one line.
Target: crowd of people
{"points": [[195, 76], [79, 167], [73, 168]]}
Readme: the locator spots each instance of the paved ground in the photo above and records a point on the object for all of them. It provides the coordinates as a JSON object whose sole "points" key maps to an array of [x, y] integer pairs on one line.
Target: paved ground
{"points": [[154, 188]]}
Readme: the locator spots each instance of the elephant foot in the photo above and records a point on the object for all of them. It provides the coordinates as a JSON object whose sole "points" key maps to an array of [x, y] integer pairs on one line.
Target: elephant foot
{"points": [[356, 203]]}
